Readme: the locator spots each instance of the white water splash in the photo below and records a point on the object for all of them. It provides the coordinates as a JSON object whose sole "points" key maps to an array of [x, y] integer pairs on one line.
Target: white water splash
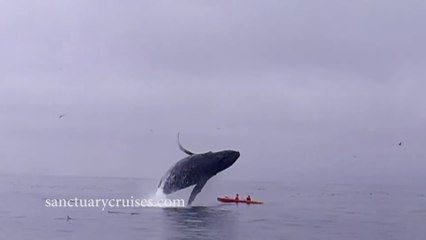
{"points": [[159, 194]]}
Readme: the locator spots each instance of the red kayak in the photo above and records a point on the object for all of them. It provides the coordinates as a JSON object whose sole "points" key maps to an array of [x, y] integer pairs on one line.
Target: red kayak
{"points": [[233, 200]]}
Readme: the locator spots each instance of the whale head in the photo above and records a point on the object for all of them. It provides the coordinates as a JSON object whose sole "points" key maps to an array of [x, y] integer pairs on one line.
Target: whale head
{"points": [[225, 159]]}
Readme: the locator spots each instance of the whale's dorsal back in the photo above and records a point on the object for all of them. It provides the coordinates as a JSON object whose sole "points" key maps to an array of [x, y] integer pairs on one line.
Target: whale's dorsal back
{"points": [[182, 148]]}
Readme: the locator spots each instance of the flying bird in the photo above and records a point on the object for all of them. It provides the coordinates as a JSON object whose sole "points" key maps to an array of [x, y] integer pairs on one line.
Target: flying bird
{"points": [[62, 115], [400, 143]]}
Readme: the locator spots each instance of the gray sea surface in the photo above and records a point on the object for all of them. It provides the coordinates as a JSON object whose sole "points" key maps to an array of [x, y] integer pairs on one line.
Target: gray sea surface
{"points": [[290, 211]]}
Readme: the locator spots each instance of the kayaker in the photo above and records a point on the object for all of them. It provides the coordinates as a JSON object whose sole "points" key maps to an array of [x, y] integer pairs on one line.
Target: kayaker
{"points": [[248, 198], [237, 197]]}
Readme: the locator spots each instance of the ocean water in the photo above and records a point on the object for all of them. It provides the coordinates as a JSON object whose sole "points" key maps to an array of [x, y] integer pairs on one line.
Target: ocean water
{"points": [[291, 211]]}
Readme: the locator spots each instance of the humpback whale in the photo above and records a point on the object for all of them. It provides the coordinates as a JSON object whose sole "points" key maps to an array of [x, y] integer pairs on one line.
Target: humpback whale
{"points": [[196, 169]]}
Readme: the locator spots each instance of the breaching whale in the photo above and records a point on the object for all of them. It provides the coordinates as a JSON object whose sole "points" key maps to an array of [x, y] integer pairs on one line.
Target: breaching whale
{"points": [[196, 169]]}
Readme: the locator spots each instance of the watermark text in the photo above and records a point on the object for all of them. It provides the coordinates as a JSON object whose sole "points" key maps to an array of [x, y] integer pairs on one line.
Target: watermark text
{"points": [[104, 203]]}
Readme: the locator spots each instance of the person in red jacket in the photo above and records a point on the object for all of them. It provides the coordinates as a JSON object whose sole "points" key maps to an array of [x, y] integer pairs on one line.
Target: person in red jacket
{"points": [[237, 197], [248, 198]]}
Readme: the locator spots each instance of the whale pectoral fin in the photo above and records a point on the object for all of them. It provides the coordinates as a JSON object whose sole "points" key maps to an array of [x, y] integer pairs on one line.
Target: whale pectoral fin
{"points": [[183, 149], [196, 190]]}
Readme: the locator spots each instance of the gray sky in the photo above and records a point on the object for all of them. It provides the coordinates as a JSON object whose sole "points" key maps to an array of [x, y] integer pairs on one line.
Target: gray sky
{"points": [[306, 90]]}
